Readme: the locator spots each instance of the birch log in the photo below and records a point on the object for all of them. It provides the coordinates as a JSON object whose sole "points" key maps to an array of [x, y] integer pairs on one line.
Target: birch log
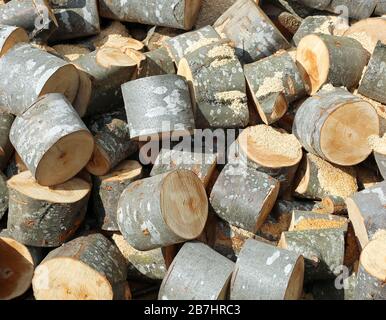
{"points": [[158, 105], [367, 210], [163, 210], [10, 36], [179, 14], [87, 268], [45, 217], [274, 83], [3, 195], [205, 279], [107, 190], [316, 126], [331, 59], [305, 220], [265, 272], [27, 73], [66, 146], [356, 9], [243, 196], [6, 148], [217, 86], [157, 62], [254, 35]]}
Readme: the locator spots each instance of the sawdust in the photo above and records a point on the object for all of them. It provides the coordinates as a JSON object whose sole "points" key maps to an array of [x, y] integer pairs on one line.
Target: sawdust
{"points": [[271, 84], [365, 40], [378, 144], [236, 100], [199, 44], [71, 52], [328, 87], [223, 51], [317, 224]]}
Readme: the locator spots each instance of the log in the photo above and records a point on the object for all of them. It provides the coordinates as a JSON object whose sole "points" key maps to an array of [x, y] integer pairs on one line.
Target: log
{"points": [[217, 86], [327, 290], [107, 190], [379, 149], [3, 195], [331, 59], [157, 62], [322, 249], [370, 284], [274, 83], [202, 164], [243, 196], [211, 11], [66, 146], [380, 8], [316, 126], [74, 271], [156, 37], [358, 9], [75, 19], [236, 24], [180, 14], [205, 279], [366, 210], [6, 148], [158, 105], [265, 272], [367, 177], [316, 4], [334, 205], [318, 179], [10, 36], [305, 220], [163, 210]]}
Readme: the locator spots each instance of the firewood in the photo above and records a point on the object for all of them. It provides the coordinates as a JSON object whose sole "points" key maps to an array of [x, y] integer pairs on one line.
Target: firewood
{"points": [[42, 216], [379, 148], [205, 279], [3, 195], [332, 121], [327, 289], [334, 205], [358, 9], [153, 101], [107, 190], [74, 271], [34, 72], [316, 4], [181, 14], [6, 148], [71, 52], [367, 177], [217, 86], [211, 11], [63, 150], [157, 36], [236, 23], [274, 83], [331, 59], [83, 96], [366, 210], [380, 8], [243, 196], [157, 62], [265, 272], [163, 210], [10, 36], [305, 220]]}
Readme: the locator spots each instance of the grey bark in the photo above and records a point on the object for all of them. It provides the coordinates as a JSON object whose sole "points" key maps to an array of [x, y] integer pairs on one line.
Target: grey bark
{"points": [[316, 4], [157, 62], [369, 287], [312, 24], [5, 33], [380, 8], [3, 195], [6, 148], [357, 9]]}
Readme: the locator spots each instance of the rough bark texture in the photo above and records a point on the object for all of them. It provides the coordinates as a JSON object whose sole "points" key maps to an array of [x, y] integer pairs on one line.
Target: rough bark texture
{"points": [[3, 195], [157, 62], [357, 9], [158, 104], [211, 11], [263, 272], [6, 148], [205, 279], [254, 35], [369, 287]]}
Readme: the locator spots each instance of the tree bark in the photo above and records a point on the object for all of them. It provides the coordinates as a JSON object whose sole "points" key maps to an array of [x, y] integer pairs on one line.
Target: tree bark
{"points": [[157, 62], [10, 36], [6, 148], [316, 4], [358, 9], [3, 195], [380, 8]]}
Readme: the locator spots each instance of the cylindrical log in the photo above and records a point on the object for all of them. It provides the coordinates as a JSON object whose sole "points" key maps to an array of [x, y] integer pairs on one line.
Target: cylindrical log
{"points": [[265, 272], [370, 284], [356, 9], [10, 36], [179, 14], [305, 220], [330, 123], [274, 83], [379, 148], [87, 268], [157, 62], [163, 210], [205, 279], [108, 189], [324, 58], [52, 140], [236, 24], [158, 105], [322, 249], [3, 195], [333, 205], [316, 4], [217, 86], [27, 72], [211, 11], [380, 8], [75, 19], [366, 210], [243, 196], [6, 148]]}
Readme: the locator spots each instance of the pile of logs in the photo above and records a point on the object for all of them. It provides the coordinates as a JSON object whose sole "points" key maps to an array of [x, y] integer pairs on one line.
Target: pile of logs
{"points": [[193, 149]]}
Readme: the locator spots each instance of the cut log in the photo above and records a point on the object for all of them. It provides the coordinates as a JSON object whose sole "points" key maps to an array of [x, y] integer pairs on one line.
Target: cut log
{"points": [[6, 148], [157, 36], [163, 210], [370, 284], [271, 151], [265, 272], [75, 19], [107, 190], [367, 211], [274, 83], [331, 122], [379, 148], [289, 22], [217, 86], [211, 11], [202, 164], [157, 62], [305, 220], [3, 195], [368, 176], [380, 8], [180, 14], [158, 105], [316, 4], [331, 59], [45, 217], [205, 279], [66, 146], [318, 179], [322, 249], [254, 35], [71, 52], [243, 196], [334, 205], [74, 271], [10, 36], [83, 96], [357, 9]]}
